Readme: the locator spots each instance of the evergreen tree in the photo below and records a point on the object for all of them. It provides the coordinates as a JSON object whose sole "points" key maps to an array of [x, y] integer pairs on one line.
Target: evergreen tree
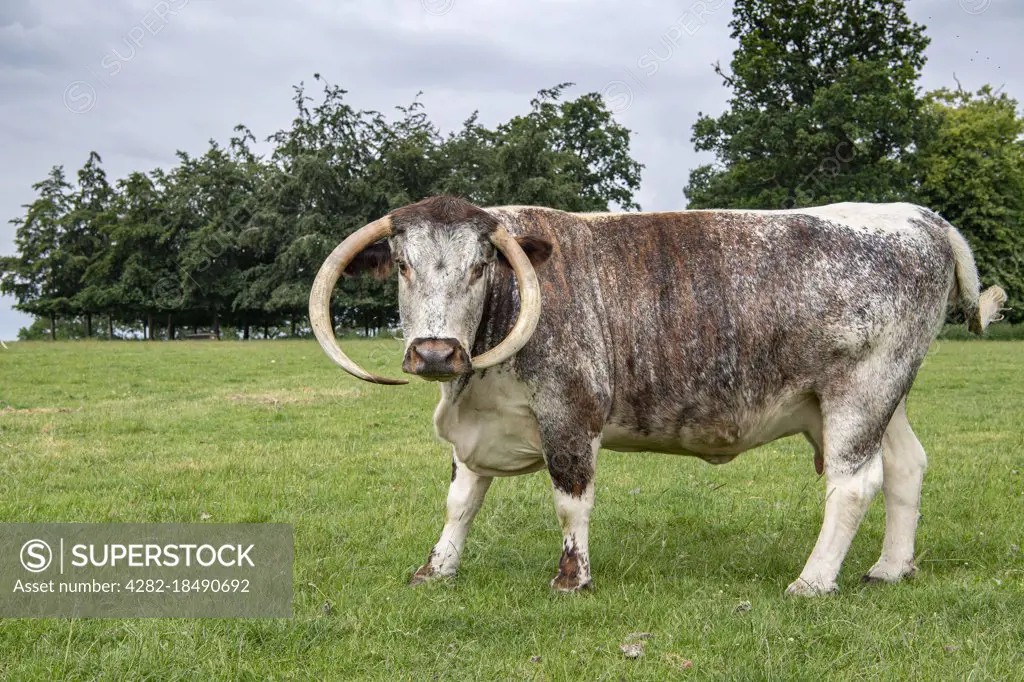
{"points": [[33, 276], [82, 241]]}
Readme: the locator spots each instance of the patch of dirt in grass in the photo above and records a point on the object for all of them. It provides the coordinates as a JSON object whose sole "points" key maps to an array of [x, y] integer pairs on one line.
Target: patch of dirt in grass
{"points": [[39, 410], [305, 396]]}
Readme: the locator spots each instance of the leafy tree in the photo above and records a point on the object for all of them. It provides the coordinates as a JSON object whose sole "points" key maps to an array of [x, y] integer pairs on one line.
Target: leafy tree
{"points": [[209, 204], [82, 242], [247, 310], [824, 106], [970, 168], [136, 275], [570, 155], [33, 276], [468, 162], [318, 191]]}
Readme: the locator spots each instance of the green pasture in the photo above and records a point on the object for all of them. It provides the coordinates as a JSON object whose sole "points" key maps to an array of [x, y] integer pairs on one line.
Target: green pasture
{"points": [[219, 432]]}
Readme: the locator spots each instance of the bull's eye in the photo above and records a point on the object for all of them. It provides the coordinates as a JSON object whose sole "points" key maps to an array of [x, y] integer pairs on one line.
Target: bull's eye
{"points": [[403, 268], [477, 272]]}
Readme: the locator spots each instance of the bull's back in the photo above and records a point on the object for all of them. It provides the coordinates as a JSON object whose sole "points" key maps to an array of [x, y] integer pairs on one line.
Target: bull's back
{"points": [[723, 326]]}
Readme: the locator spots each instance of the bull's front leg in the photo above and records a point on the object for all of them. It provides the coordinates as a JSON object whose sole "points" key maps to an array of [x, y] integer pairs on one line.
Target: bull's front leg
{"points": [[465, 496], [572, 463]]}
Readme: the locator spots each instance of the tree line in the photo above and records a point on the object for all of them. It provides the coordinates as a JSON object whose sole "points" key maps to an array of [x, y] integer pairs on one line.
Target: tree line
{"points": [[231, 240], [825, 106]]}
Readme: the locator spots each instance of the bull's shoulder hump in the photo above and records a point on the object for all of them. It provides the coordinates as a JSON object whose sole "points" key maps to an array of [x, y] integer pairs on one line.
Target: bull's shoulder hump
{"points": [[519, 210], [538, 219]]}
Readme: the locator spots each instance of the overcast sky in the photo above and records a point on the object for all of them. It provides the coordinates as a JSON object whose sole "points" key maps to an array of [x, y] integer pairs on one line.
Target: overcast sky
{"points": [[136, 80]]}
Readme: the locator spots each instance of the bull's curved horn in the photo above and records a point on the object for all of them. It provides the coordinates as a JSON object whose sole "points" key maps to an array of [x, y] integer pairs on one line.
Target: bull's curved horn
{"points": [[529, 302], [320, 296]]}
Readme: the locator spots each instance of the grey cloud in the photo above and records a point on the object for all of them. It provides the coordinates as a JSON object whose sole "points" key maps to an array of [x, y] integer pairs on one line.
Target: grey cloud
{"points": [[19, 12]]}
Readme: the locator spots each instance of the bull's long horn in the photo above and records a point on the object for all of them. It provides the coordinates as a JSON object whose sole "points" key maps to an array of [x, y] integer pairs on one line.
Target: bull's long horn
{"points": [[320, 296], [529, 302], [330, 271]]}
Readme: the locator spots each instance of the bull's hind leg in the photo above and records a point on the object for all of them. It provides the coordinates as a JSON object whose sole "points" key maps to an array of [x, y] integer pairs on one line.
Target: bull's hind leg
{"points": [[465, 496], [903, 464], [852, 437]]}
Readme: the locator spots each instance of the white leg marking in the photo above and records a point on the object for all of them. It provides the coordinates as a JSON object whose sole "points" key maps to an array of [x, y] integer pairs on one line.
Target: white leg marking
{"points": [[465, 496], [849, 495], [904, 463], [574, 516]]}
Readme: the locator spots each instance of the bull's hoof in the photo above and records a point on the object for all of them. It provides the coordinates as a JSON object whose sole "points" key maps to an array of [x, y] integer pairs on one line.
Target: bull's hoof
{"points": [[804, 588], [573, 571], [424, 574], [567, 584], [884, 574]]}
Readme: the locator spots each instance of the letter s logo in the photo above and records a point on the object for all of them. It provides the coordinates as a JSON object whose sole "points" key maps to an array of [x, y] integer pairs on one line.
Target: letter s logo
{"points": [[36, 556], [79, 97]]}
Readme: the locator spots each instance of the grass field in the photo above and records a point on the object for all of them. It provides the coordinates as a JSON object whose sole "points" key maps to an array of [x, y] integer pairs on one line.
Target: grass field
{"points": [[271, 431]]}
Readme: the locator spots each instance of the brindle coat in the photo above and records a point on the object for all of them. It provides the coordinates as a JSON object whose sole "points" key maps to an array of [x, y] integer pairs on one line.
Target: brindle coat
{"points": [[701, 332]]}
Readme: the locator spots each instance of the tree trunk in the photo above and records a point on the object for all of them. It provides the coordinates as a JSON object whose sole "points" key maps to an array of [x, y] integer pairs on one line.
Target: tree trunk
{"points": [[216, 325], [88, 325], [110, 327], [293, 327], [245, 332], [170, 327], [266, 332], [150, 332], [53, 327]]}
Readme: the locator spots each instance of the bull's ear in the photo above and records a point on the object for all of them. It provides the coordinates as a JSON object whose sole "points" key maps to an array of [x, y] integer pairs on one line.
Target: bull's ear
{"points": [[374, 259], [537, 249]]}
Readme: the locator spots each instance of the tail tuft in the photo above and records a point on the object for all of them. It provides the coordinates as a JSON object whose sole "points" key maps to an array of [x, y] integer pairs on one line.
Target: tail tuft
{"points": [[990, 303], [982, 309]]}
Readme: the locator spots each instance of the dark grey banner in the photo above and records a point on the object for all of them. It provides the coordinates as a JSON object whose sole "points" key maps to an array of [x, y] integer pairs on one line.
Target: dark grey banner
{"points": [[139, 570]]}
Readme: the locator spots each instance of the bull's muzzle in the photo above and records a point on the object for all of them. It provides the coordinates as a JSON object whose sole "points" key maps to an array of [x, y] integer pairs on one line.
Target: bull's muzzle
{"points": [[436, 359]]}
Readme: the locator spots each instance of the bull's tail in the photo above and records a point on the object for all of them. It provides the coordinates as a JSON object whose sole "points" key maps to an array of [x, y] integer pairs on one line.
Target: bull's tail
{"points": [[980, 309]]}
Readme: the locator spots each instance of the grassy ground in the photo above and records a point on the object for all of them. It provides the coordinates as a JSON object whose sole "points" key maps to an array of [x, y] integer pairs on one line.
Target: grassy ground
{"points": [[270, 431]]}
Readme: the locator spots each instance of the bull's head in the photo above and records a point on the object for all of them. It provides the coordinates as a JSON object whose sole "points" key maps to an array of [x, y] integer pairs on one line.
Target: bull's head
{"points": [[446, 251]]}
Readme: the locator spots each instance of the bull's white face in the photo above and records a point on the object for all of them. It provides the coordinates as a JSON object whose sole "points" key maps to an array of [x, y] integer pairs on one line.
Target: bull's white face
{"points": [[442, 284]]}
